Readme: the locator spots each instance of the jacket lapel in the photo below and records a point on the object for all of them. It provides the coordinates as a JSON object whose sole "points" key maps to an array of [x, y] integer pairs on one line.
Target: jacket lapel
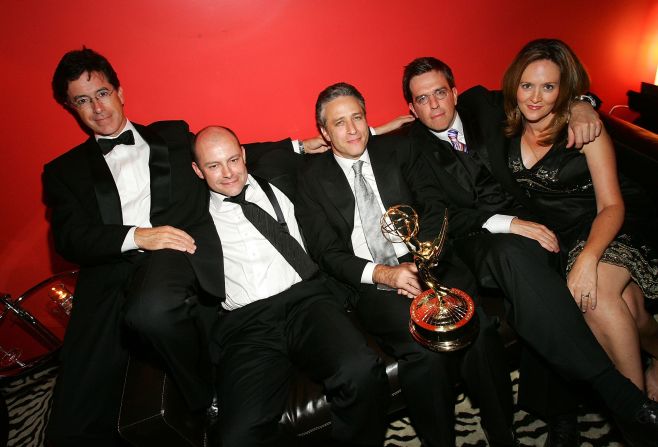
{"points": [[159, 169], [452, 171], [335, 185], [107, 195], [208, 260], [386, 174]]}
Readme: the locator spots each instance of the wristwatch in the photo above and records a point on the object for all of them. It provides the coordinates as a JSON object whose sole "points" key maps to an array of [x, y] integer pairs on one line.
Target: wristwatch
{"points": [[300, 143], [586, 98]]}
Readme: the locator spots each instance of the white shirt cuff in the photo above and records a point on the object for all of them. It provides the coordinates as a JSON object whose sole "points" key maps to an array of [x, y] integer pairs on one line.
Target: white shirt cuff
{"points": [[498, 223], [373, 131], [366, 276], [129, 241], [295, 146]]}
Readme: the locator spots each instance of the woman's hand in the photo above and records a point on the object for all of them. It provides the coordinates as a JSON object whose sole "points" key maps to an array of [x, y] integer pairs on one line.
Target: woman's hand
{"points": [[582, 281]]}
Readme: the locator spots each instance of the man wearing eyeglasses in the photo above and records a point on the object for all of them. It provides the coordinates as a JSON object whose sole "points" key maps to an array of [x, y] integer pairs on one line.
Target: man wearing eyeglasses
{"points": [[462, 144], [124, 192]]}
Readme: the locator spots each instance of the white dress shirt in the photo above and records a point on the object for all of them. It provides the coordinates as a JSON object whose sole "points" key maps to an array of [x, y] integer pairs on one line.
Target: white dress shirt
{"points": [[358, 236], [129, 165], [498, 223], [253, 268]]}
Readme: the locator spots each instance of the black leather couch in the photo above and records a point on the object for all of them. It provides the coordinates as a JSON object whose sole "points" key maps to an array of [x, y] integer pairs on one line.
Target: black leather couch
{"points": [[153, 412]]}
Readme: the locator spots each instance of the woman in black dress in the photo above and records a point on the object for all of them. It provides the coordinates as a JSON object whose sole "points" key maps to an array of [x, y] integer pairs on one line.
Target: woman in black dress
{"points": [[604, 222]]}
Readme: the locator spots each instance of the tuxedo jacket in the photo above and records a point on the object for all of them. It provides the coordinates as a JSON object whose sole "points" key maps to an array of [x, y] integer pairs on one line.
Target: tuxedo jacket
{"points": [[325, 202], [86, 214], [479, 184]]}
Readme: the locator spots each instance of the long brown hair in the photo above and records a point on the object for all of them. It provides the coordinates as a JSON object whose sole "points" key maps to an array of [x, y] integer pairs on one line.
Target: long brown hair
{"points": [[573, 81]]}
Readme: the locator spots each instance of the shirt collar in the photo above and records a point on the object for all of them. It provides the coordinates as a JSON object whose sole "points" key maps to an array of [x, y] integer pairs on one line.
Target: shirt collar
{"points": [[128, 126], [346, 163], [456, 124], [217, 199]]}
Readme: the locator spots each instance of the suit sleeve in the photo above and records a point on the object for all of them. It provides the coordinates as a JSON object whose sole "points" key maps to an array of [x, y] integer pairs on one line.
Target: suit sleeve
{"points": [[257, 151], [481, 98], [79, 237], [325, 245], [429, 200]]}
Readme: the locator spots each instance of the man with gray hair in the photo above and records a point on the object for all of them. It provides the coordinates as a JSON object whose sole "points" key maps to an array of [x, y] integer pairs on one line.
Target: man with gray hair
{"points": [[338, 223]]}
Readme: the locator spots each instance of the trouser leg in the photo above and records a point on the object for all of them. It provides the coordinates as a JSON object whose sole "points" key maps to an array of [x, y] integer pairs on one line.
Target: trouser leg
{"points": [[253, 376], [326, 345], [486, 374], [93, 360], [163, 308], [546, 316], [426, 378], [543, 392]]}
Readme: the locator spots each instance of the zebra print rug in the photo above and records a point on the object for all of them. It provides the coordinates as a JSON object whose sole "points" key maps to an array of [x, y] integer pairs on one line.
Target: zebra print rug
{"points": [[28, 403], [594, 428]]}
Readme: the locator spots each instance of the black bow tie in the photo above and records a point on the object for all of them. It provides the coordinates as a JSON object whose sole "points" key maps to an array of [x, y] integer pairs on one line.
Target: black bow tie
{"points": [[107, 144]]}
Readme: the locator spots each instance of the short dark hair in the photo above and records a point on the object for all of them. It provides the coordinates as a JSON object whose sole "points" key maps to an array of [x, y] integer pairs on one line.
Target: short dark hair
{"points": [[422, 65], [73, 64], [332, 92], [573, 81]]}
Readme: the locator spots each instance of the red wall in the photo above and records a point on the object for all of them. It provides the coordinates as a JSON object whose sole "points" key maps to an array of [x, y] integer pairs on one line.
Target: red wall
{"points": [[257, 66]]}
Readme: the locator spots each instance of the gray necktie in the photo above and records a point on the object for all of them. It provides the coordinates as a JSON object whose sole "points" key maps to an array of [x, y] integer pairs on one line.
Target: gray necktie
{"points": [[381, 249]]}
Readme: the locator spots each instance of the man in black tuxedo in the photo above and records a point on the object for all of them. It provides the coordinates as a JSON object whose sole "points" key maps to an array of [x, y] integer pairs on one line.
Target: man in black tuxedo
{"points": [[463, 144], [341, 240], [278, 309], [124, 193]]}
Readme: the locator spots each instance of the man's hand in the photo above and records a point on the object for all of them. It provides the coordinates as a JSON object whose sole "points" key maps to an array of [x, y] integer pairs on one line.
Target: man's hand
{"points": [[403, 277], [394, 124], [584, 125], [538, 232], [159, 238], [315, 145]]}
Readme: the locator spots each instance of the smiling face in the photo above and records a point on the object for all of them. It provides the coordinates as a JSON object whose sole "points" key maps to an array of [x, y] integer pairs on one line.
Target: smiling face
{"points": [[104, 117], [220, 161], [346, 127], [437, 114], [538, 91]]}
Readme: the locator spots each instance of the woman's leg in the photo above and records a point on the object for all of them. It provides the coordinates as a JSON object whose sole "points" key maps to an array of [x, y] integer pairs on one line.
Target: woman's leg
{"points": [[613, 324], [648, 331]]}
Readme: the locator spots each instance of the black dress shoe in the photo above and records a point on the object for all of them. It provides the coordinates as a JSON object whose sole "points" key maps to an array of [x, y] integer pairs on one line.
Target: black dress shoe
{"points": [[563, 431], [642, 430]]}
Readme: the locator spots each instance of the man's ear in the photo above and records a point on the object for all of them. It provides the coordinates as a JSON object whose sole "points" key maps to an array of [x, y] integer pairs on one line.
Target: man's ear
{"points": [[120, 94], [413, 111], [244, 155], [197, 171], [455, 94], [325, 135]]}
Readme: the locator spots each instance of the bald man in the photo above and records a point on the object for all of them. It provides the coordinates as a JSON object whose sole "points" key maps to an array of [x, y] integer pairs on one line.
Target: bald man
{"points": [[278, 311]]}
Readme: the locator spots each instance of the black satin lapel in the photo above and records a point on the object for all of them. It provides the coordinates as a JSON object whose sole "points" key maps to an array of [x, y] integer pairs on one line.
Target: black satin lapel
{"points": [[208, 260], [160, 170], [107, 195], [338, 189]]}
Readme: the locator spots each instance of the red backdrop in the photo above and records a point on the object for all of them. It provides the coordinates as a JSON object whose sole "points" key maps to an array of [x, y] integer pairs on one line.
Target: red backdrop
{"points": [[257, 66]]}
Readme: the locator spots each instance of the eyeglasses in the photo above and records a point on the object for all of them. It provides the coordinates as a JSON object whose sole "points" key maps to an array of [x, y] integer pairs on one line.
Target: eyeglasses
{"points": [[102, 96], [439, 94]]}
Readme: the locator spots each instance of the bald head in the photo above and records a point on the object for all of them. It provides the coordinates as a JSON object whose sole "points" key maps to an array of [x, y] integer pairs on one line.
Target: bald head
{"points": [[220, 160], [213, 135]]}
